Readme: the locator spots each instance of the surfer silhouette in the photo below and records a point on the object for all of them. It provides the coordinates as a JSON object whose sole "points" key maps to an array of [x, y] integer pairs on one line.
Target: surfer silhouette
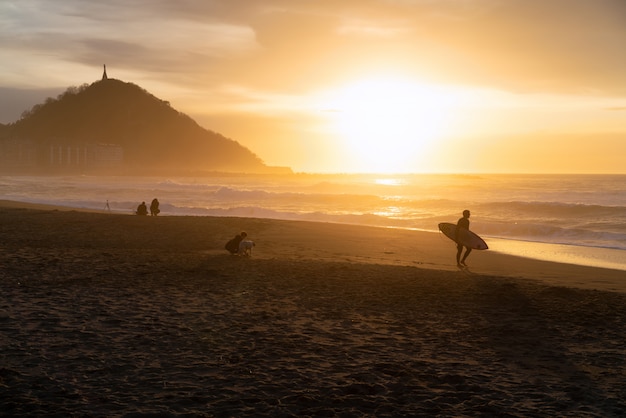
{"points": [[462, 223]]}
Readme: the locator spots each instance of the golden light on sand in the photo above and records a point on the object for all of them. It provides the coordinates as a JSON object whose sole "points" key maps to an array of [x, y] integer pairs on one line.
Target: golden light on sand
{"points": [[391, 124]]}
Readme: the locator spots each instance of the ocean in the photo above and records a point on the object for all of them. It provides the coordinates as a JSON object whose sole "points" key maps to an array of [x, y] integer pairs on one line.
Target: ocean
{"points": [[579, 219]]}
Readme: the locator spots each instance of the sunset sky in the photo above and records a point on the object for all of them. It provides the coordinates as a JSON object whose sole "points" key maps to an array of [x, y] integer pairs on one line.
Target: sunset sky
{"points": [[350, 85]]}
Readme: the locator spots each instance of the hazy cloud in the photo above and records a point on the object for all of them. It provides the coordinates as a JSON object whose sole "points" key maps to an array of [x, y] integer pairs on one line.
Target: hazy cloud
{"points": [[557, 44]]}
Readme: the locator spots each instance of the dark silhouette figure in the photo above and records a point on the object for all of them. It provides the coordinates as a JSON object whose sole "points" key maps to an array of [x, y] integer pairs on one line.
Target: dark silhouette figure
{"points": [[142, 209], [233, 245], [462, 223], [154, 207]]}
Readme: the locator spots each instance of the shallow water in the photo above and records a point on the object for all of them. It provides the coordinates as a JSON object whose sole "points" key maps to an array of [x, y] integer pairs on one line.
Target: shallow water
{"points": [[571, 254]]}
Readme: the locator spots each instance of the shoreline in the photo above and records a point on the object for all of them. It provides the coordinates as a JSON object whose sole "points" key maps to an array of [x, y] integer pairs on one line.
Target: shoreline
{"points": [[589, 256], [394, 246], [567, 253]]}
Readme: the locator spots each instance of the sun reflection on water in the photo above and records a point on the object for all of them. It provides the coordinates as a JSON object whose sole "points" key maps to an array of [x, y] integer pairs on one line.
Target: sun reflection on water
{"points": [[389, 182]]}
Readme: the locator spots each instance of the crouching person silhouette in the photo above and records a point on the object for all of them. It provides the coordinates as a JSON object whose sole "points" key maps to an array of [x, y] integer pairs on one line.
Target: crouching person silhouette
{"points": [[232, 246]]}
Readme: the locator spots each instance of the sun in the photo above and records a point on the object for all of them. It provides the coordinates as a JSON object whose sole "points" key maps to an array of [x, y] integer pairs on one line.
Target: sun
{"points": [[390, 125]]}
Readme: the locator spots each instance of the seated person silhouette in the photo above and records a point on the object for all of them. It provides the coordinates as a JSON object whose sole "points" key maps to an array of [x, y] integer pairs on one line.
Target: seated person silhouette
{"points": [[142, 209]]}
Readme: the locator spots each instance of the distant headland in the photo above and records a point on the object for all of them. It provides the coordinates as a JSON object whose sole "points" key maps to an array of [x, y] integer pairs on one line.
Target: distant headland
{"points": [[115, 127]]}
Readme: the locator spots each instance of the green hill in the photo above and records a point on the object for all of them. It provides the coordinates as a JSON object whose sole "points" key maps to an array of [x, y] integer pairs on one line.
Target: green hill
{"points": [[149, 134]]}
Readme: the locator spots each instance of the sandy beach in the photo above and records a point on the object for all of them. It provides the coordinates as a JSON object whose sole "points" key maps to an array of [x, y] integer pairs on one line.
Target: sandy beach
{"points": [[105, 315]]}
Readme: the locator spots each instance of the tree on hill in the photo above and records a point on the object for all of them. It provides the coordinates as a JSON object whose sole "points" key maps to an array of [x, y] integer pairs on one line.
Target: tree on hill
{"points": [[154, 136]]}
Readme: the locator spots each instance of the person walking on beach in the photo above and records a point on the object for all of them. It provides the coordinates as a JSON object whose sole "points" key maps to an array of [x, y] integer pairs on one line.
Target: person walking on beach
{"points": [[233, 245], [154, 207], [462, 223]]}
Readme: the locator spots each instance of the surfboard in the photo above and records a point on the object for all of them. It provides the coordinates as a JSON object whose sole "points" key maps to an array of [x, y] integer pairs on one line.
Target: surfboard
{"points": [[467, 238]]}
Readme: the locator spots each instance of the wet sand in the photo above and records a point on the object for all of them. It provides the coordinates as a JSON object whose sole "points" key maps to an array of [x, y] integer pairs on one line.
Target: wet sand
{"points": [[115, 315]]}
